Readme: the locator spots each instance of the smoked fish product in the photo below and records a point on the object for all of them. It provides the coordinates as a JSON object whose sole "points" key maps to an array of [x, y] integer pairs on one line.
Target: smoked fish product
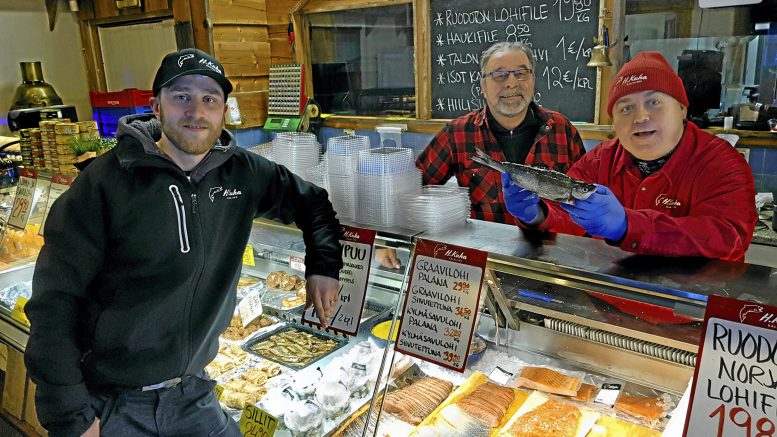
{"points": [[552, 418], [547, 380], [416, 401]]}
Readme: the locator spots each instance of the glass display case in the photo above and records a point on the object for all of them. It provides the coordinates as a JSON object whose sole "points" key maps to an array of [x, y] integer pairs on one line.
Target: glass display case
{"points": [[565, 326]]}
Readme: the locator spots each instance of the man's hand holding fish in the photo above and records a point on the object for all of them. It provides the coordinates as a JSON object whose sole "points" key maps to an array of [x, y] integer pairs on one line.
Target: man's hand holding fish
{"points": [[601, 214]]}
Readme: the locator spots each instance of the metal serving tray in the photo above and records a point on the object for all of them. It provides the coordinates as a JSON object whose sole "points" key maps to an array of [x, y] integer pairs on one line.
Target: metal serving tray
{"points": [[247, 346]]}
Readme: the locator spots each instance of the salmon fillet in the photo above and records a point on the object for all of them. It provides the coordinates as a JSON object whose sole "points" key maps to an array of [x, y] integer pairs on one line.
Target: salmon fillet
{"points": [[487, 403], [547, 380], [585, 393], [416, 401], [553, 418], [641, 407]]}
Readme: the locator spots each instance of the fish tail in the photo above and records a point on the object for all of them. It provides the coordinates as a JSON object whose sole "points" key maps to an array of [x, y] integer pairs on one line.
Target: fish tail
{"points": [[482, 157]]}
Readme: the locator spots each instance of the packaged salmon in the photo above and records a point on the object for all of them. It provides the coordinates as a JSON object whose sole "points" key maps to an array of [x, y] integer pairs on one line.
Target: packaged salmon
{"points": [[549, 380]]}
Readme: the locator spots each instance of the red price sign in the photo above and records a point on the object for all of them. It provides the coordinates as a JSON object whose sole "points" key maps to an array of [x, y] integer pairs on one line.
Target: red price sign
{"points": [[736, 371], [438, 318], [741, 418]]}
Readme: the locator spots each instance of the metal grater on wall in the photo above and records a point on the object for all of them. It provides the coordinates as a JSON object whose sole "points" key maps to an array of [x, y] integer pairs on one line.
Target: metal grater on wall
{"points": [[287, 100]]}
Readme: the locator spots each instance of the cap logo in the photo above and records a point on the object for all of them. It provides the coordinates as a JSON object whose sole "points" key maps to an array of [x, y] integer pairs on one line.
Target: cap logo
{"points": [[210, 65], [632, 79], [183, 58]]}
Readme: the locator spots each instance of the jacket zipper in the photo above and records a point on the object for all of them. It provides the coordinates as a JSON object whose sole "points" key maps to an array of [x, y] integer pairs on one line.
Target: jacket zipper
{"points": [[196, 226], [180, 213]]}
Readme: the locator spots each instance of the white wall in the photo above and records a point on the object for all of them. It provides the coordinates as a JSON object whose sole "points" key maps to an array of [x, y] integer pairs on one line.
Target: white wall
{"points": [[25, 36]]}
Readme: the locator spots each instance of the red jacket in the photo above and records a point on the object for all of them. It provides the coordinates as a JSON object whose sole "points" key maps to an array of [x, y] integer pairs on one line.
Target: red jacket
{"points": [[701, 203], [557, 146]]}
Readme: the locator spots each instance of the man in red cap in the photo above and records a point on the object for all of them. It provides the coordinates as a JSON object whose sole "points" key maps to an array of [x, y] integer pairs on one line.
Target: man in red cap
{"points": [[664, 186]]}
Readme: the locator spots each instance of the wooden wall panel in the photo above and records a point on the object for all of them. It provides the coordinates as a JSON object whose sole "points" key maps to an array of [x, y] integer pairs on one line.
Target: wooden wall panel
{"points": [[279, 12], [156, 5], [246, 84], [225, 33], [238, 12], [243, 59], [253, 107], [105, 9]]}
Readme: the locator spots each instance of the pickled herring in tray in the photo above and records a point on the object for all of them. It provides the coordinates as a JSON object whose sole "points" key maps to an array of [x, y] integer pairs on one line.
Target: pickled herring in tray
{"points": [[293, 347]]}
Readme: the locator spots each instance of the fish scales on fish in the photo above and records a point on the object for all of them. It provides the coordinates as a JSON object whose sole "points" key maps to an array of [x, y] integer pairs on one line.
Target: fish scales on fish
{"points": [[548, 184]]}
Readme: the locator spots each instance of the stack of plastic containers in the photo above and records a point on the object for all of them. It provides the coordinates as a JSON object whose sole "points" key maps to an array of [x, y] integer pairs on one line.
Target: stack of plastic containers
{"points": [[340, 160], [297, 151], [263, 150], [435, 209], [384, 174]]}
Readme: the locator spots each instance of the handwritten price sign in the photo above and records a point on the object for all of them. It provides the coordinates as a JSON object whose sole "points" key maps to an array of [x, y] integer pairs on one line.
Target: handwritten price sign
{"points": [[59, 184], [734, 386], [23, 201], [255, 422], [440, 306], [357, 255]]}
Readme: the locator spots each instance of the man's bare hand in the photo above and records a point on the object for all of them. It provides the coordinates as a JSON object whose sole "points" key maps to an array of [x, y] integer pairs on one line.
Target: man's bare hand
{"points": [[387, 257], [94, 429], [322, 293]]}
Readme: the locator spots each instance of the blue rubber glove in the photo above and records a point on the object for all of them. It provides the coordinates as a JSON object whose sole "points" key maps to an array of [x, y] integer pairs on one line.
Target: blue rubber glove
{"points": [[601, 215], [520, 202]]}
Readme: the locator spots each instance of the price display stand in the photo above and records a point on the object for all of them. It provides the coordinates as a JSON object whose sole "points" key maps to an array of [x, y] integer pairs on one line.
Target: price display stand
{"points": [[357, 246], [734, 390], [440, 304]]}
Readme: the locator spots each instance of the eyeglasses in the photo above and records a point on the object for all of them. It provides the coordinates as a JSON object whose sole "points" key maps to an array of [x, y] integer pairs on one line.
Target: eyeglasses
{"points": [[502, 75]]}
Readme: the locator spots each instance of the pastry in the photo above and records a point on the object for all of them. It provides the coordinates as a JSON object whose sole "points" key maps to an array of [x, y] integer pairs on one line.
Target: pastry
{"points": [[274, 279]]}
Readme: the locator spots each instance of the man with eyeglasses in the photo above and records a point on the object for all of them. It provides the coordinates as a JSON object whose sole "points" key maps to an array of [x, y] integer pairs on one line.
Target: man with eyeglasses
{"points": [[511, 127]]}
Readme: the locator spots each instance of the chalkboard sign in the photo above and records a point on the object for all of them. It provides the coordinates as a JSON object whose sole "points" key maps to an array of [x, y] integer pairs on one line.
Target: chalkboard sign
{"points": [[560, 32]]}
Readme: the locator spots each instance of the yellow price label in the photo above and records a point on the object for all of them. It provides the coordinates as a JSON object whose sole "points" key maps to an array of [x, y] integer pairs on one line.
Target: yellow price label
{"points": [[255, 422], [219, 391], [18, 311], [248, 256]]}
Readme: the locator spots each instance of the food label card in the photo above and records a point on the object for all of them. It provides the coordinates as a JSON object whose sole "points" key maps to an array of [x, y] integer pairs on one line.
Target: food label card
{"points": [[734, 389], [357, 256], [23, 201], [59, 184], [255, 422], [441, 303]]}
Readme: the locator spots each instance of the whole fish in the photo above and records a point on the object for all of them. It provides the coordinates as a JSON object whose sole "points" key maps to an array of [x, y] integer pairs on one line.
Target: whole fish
{"points": [[548, 184]]}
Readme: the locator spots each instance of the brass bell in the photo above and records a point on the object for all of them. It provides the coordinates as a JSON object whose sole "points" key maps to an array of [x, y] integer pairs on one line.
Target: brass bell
{"points": [[599, 56]]}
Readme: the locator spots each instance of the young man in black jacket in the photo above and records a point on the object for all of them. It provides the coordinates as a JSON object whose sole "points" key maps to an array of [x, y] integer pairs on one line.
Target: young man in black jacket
{"points": [[142, 255]]}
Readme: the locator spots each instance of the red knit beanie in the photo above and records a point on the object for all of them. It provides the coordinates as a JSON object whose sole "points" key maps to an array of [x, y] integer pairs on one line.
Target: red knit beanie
{"points": [[647, 71]]}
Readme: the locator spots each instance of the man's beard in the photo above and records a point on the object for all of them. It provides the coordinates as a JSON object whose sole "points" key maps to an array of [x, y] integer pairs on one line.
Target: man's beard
{"points": [[179, 139], [512, 109]]}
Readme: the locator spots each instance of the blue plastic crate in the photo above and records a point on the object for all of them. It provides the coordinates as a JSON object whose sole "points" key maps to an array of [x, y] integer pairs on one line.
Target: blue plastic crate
{"points": [[108, 118]]}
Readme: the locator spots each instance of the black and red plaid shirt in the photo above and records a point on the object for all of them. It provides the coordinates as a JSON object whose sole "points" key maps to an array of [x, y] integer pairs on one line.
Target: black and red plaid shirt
{"points": [[557, 146]]}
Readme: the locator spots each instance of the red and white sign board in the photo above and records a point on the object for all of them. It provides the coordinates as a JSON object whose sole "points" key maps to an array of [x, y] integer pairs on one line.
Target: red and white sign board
{"points": [[441, 303], [24, 199], [59, 184], [734, 389], [357, 246]]}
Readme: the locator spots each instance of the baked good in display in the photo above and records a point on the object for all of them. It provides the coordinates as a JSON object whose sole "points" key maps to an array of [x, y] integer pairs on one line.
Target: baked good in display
{"points": [[250, 386], [284, 281], [552, 418], [547, 380], [237, 332], [274, 279], [416, 401], [246, 281], [229, 358], [292, 301]]}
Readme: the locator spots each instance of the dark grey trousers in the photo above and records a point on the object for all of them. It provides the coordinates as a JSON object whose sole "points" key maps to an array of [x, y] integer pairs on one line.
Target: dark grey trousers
{"points": [[188, 409]]}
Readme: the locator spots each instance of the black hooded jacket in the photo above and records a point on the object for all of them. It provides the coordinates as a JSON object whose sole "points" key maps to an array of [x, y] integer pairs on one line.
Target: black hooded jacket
{"points": [[137, 276]]}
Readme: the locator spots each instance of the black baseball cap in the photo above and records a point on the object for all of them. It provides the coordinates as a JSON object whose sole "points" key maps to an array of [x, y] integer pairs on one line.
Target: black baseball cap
{"points": [[190, 61]]}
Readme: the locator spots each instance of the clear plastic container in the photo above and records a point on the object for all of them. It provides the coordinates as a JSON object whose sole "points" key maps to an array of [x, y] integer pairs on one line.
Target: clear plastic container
{"points": [[390, 136]]}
